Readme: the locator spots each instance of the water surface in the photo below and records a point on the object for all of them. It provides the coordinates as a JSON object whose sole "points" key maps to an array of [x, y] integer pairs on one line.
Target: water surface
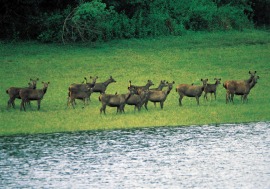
{"points": [[223, 156]]}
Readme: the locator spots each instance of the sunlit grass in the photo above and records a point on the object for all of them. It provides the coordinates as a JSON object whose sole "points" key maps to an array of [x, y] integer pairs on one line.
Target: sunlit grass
{"points": [[184, 59]]}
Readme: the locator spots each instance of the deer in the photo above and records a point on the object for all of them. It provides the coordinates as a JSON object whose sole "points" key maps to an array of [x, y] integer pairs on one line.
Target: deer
{"points": [[101, 87], [191, 91], [13, 92], [138, 100], [139, 89], [81, 95], [241, 88], [115, 100], [211, 88], [159, 96], [238, 87], [28, 95], [162, 84], [81, 88]]}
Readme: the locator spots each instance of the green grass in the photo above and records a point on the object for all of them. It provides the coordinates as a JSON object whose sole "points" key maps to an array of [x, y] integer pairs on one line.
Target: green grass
{"points": [[184, 59]]}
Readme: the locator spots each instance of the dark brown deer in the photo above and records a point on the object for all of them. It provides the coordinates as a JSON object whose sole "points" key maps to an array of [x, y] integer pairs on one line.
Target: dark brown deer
{"points": [[159, 96], [115, 100], [252, 84], [101, 87], [13, 92], [191, 91], [138, 100], [162, 84], [83, 88], [237, 87], [81, 95], [211, 88], [139, 89], [28, 95]]}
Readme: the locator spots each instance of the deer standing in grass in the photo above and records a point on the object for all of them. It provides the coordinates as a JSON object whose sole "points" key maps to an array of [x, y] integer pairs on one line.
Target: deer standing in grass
{"points": [[194, 91], [239, 87], [13, 92], [139, 89], [81, 91], [101, 87], [211, 88], [28, 95], [159, 96]]}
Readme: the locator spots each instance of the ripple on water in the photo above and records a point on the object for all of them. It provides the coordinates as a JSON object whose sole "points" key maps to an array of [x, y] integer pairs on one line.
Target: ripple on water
{"points": [[213, 156]]}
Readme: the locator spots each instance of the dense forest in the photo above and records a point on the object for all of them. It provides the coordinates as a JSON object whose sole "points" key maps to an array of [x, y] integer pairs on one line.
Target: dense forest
{"points": [[104, 20]]}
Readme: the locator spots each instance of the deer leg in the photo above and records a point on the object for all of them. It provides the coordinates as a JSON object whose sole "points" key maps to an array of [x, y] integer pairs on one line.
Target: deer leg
{"points": [[145, 105], [102, 109], [72, 100], [22, 105], [38, 104], [197, 99], [161, 105], [180, 100], [215, 95], [232, 95], [205, 96], [227, 97]]}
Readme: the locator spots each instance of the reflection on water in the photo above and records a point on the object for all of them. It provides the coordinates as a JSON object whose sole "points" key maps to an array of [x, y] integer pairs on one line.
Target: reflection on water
{"points": [[224, 156]]}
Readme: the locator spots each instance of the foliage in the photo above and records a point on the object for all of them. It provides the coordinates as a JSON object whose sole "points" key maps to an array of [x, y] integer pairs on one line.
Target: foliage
{"points": [[104, 20]]}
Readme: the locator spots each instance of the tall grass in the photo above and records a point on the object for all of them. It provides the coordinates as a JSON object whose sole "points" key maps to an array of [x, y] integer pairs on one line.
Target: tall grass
{"points": [[184, 59]]}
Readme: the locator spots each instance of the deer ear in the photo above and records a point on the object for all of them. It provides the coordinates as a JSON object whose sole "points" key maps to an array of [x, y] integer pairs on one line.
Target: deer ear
{"points": [[201, 79], [206, 79], [111, 77], [220, 79], [91, 77], [255, 72], [42, 82], [249, 72], [173, 82], [37, 79], [48, 82], [258, 77]]}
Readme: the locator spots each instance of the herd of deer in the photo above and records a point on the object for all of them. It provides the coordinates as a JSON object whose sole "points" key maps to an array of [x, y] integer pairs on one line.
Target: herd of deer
{"points": [[136, 96]]}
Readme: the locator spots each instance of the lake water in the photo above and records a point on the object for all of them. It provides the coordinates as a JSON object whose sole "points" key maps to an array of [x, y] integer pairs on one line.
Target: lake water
{"points": [[222, 156]]}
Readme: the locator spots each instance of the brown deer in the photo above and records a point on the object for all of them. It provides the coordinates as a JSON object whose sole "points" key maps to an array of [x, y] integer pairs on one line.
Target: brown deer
{"points": [[242, 88], [13, 92], [211, 88], [191, 91], [159, 96], [238, 87], [139, 89], [138, 100], [115, 100], [81, 95], [78, 89], [28, 95], [101, 87]]}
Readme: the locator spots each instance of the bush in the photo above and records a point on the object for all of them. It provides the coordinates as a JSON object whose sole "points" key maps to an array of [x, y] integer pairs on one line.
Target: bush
{"points": [[96, 21]]}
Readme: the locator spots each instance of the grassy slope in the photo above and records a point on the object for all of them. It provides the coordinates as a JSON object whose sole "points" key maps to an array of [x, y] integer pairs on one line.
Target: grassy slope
{"points": [[184, 59]]}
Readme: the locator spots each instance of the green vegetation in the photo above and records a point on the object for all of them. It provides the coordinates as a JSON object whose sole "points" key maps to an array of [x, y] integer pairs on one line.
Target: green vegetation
{"points": [[184, 59], [106, 20]]}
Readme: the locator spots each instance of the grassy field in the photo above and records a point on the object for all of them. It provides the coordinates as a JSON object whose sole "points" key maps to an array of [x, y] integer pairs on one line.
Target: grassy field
{"points": [[184, 59]]}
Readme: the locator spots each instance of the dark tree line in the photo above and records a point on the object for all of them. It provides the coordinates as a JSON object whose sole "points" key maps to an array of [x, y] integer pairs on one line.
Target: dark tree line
{"points": [[91, 20]]}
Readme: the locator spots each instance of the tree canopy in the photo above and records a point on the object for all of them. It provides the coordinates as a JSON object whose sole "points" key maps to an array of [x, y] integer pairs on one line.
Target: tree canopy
{"points": [[103, 20]]}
